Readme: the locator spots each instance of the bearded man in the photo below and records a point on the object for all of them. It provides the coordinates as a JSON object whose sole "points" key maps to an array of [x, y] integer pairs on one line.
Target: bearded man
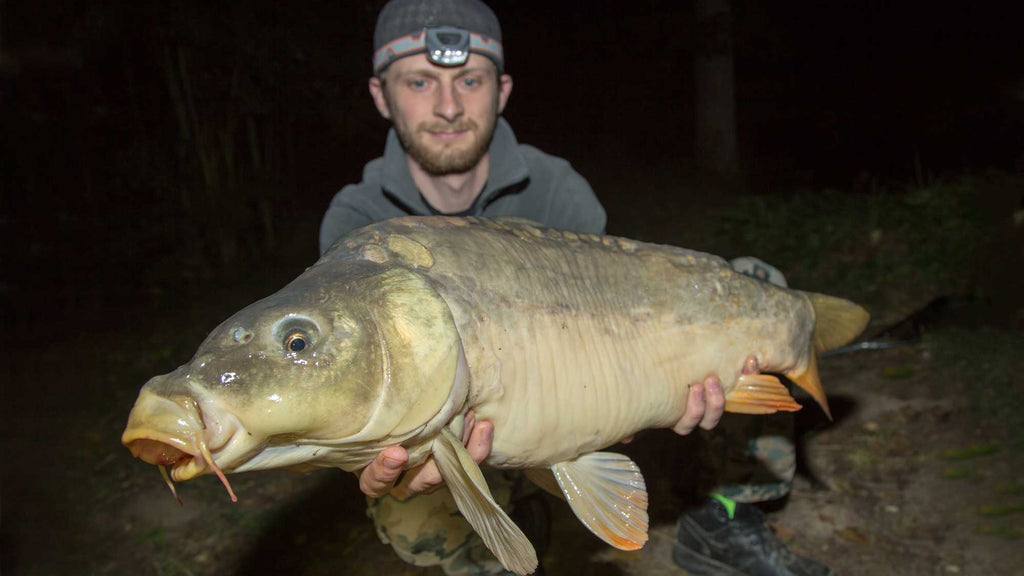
{"points": [[449, 150]]}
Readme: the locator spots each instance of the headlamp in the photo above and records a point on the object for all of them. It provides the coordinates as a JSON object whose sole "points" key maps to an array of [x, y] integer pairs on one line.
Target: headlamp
{"points": [[444, 45], [447, 46]]}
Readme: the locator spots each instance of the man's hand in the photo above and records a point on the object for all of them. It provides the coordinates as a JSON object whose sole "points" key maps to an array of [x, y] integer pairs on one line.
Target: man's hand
{"points": [[706, 402], [704, 406], [379, 477]]}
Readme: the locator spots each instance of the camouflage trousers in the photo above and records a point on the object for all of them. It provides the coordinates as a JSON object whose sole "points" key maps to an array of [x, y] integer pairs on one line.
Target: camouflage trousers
{"points": [[750, 458], [429, 530]]}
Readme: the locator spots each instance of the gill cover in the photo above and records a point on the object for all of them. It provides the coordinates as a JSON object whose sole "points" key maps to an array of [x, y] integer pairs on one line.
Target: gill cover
{"points": [[420, 348]]}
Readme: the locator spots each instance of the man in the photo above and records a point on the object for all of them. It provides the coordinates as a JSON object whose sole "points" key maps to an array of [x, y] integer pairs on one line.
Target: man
{"points": [[450, 152], [439, 78]]}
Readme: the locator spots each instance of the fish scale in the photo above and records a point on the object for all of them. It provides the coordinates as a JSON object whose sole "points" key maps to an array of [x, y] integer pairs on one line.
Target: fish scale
{"points": [[594, 359]]}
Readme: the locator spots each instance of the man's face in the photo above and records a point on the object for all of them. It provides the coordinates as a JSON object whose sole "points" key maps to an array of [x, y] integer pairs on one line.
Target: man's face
{"points": [[445, 117]]}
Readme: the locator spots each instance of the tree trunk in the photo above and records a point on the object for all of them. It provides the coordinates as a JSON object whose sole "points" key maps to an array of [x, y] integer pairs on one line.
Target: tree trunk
{"points": [[716, 147]]}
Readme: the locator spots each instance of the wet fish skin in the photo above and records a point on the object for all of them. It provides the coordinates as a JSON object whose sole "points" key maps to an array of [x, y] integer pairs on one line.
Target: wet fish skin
{"points": [[567, 342]]}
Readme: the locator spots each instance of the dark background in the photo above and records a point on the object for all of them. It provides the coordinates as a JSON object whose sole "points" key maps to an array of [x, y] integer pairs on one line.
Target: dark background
{"points": [[149, 148]]}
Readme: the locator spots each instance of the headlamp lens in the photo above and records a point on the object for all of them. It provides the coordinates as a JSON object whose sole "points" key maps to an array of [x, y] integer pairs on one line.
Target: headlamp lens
{"points": [[447, 46]]}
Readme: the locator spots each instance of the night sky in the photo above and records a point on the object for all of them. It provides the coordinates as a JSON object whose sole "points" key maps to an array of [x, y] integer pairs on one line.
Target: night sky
{"points": [[95, 153]]}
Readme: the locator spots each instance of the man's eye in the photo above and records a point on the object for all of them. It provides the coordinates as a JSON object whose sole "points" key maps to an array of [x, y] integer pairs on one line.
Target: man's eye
{"points": [[418, 84], [470, 82]]}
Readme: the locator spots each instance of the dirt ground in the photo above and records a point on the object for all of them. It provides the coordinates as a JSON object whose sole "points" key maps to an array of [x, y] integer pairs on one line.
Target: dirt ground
{"points": [[905, 481]]}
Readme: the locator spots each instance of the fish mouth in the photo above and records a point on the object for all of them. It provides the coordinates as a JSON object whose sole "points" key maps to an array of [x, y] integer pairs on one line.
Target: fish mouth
{"points": [[171, 432], [184, 464], [157, 452]]}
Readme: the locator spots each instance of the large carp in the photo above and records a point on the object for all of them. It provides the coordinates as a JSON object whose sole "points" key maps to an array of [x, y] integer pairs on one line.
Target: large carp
{"points": [[566, 342]]}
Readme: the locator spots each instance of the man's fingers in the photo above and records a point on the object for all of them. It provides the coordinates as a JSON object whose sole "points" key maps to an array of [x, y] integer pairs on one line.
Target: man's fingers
{"points": [[694, 410], [427, 478], [704, 405], [422, 479], [714, 405], [377, 479], [480, 439], [750, 365]]}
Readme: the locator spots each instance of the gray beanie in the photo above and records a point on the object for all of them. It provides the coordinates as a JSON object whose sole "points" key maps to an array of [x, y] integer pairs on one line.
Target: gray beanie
{"points": [[446, 29]]}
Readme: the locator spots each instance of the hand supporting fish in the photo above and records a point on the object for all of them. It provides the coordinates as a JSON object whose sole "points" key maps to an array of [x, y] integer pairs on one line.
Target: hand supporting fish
{"points": [[379, 478]]}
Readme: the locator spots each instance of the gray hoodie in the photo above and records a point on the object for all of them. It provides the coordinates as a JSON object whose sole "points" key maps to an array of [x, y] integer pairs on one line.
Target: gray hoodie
{"points": [[523, 182]]}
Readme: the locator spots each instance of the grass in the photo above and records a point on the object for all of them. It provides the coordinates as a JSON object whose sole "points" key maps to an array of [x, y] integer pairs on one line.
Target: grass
{"points": [[986, 363], [970, 452], [1005, 532], [894, 251], [1002, 509], [890, 250]]}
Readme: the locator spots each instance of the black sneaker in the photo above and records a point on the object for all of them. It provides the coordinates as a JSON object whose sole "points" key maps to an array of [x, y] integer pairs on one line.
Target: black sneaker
{"points": [[709, 543]]}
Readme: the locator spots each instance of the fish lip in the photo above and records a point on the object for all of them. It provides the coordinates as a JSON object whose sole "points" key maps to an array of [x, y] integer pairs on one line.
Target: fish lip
{"points": [[163, 449], [229, 442], [178, 442], [185, 462], [189, 468]]}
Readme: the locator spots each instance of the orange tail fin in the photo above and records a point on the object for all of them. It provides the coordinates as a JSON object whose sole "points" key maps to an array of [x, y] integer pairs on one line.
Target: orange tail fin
{"points": [[811, 382], [836, 323]]}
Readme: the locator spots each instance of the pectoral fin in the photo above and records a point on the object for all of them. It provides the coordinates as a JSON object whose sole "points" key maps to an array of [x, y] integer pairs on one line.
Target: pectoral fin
{"points": [[608, 494], [759, 394], [467, 484]]}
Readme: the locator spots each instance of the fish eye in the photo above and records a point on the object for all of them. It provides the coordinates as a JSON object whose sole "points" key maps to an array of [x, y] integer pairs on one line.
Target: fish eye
{"points": [[296, 341], [296, 334]]}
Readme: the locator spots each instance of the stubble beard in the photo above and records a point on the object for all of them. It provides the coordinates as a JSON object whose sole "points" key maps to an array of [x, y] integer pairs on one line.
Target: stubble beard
{"points": [[445, 160]]}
